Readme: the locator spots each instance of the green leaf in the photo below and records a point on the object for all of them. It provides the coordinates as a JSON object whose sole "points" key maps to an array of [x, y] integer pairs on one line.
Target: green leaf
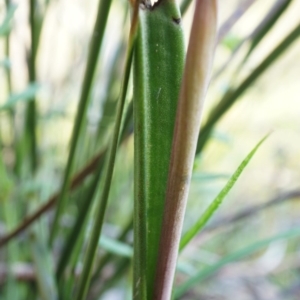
{"points": [[25, 96], [204, 274], [159, 60], [192, 232]]}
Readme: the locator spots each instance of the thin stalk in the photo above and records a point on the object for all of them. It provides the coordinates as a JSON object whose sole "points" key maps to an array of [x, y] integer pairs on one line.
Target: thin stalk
{"points": [[190, 106], [267, 23], [66, 282], [29, 142], [102, 203], [96, 42], [30, 122], [232, 95], [262, 29], [81, 219]]}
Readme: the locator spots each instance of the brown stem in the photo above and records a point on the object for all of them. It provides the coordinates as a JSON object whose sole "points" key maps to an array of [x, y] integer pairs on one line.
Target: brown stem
{"points": [[76, 181], [190, 106], [19, 271]]}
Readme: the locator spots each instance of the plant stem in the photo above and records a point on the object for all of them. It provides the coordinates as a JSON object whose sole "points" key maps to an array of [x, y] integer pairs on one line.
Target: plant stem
{"points": [[96, 41], [80, 222], [193, 89], [158, 69], [30, 122], [102, 203]]}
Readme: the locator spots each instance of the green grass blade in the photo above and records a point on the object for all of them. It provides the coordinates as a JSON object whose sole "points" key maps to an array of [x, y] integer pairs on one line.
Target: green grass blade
{"points": [[96, 41], [102, 203], [184, 6], [244, 252], [22, 97], [110, 102], [261, 31], [31, 110], [209, 212], [255, 37], [81, 219], [233, 95], [27, 147], [267, 24]]}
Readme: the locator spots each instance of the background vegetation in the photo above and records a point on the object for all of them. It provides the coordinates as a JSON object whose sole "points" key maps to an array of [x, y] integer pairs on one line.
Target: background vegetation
{"points": [[248, 250]]}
